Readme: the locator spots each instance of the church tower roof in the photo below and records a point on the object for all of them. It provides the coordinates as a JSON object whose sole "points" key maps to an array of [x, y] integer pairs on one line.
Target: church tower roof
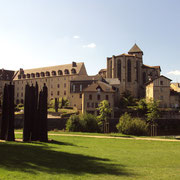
{"points": [[135, 49]]}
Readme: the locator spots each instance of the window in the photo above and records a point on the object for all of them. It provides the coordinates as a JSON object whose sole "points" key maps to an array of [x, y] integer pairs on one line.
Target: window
{"points": [[47, 73], [17, 94], [92, 105], [129, 71], [58, 93], [90, 97], [64, 85], [42, 74], [28, 75], [119, 69], [87, 104], [73, 71], [58, 86], [21, 94], [64, 92], [74, 87], [60, 72], [107, 97], [161, 97], [80, 87], [53, 73], [37, 74], [66, 71], [96, 105], [17, 101], [51, 93], [161, 82], [98, 97], [80, 96], [22, 101]]}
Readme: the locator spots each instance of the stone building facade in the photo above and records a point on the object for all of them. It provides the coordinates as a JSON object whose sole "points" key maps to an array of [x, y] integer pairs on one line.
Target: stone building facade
{"points": [[57, 79], [131, 71]]}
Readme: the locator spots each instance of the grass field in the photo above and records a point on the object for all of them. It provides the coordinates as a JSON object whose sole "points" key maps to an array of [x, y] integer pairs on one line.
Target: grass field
{"points": [[90, 158]]}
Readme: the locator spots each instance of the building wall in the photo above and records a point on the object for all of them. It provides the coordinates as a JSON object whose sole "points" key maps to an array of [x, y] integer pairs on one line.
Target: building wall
{"points": [[90, 105]]}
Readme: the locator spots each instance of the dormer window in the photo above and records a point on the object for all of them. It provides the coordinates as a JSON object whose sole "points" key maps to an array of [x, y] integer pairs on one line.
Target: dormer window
{"points": [[73, 71], [53, 73], [24, 76], [47, 73], [66, 71], [42, 74], [37, 74], [28, 75], [60, 72], [32, 75]]}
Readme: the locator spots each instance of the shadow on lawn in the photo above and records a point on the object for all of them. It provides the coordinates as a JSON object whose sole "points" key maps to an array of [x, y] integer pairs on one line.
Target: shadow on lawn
{"points": [[32, 158]]}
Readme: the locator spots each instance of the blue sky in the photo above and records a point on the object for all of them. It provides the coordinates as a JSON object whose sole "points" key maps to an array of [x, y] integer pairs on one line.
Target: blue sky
{"points": [[37, 33]]}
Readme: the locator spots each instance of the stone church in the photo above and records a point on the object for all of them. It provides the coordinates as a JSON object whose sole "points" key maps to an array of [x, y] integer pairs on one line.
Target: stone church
{"points": [[131, 72]]}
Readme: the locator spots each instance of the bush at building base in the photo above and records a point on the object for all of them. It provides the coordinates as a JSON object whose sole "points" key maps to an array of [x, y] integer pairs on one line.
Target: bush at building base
{"points": [[132, 126]]}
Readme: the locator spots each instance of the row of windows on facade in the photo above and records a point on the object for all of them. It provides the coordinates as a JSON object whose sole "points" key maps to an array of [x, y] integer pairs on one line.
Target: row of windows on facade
{"points": [[58, 86], [92, 105], [47, 73], [98, 97], [129, 70], [58, 93]]}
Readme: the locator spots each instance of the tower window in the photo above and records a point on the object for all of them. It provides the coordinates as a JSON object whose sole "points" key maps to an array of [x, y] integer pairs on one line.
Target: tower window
{"points": [[129, 71]]}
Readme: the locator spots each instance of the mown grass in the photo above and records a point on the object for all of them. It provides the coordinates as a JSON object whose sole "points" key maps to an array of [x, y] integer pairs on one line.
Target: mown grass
{"points": [[89, 158]]}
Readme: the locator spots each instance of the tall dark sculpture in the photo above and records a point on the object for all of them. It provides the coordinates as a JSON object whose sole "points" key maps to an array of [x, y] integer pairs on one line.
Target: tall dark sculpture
{"points": [[7, 121]]}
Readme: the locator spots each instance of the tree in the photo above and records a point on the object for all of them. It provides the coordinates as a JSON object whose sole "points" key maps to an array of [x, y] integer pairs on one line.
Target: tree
{"points": [[127, 100], [152, 111], [104, 113], [140, 107]]}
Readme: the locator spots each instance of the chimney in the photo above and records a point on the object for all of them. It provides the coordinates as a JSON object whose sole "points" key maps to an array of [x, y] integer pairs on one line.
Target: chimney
{"points": [[74, 64]]}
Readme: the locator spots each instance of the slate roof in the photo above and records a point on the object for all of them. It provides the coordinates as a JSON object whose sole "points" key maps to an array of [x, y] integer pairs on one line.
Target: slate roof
{"points": [[99, 84], [6, 75], [135, 49], [50, 69]]}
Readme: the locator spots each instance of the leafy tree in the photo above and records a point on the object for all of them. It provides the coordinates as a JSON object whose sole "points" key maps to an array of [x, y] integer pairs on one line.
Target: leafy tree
{"points": [[127, 100], [152, 111], [141, 107], [104, 113], [132, 126]]}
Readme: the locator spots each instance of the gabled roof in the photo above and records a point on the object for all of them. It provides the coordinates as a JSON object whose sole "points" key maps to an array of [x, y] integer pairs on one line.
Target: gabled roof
{"points": [[6, 75], [135, 49], [157, 78], [152, 67], [99, 84]]}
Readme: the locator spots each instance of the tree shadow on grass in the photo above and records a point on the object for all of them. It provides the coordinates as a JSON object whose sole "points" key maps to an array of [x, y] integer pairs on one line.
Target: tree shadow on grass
{"points": [[32, 158]]}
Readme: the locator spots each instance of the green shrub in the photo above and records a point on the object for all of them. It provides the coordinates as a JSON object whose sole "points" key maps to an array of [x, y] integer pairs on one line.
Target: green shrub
{"points": [[82, 123], [73, 124], [132, 126], [89, 123]]}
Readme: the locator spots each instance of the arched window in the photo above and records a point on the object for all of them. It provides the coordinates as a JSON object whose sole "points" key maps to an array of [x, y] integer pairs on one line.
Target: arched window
{"points": [[28, 75], [53, 73], [137, 71], [129, 70], [66, 71], [119, 69], [144, 77], [37, 74], [60, 72], [17, 101], [47, 73], [42, 74], [73, 71], [32, 75]]}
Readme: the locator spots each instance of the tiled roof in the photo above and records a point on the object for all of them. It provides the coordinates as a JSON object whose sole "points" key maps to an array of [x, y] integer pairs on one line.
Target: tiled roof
{"points": [[135, 49], [153, 67], [6, 75], [99, 85], [157, 78], [53, 69]]}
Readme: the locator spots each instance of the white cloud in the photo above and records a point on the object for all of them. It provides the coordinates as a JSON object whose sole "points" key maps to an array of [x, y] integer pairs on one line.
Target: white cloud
{"points": [[91, 45], [76, 37], [176, 72]]}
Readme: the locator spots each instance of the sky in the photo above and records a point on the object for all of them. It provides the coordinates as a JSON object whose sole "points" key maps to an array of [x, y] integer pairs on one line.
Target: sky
{"points": [[39, 33]]}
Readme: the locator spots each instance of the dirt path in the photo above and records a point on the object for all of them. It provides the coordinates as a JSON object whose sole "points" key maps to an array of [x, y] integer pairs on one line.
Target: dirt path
{"points": [[111, 137]]}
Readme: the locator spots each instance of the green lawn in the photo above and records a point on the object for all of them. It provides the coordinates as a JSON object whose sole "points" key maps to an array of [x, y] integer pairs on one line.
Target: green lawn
{"points": [[90, 158]]}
